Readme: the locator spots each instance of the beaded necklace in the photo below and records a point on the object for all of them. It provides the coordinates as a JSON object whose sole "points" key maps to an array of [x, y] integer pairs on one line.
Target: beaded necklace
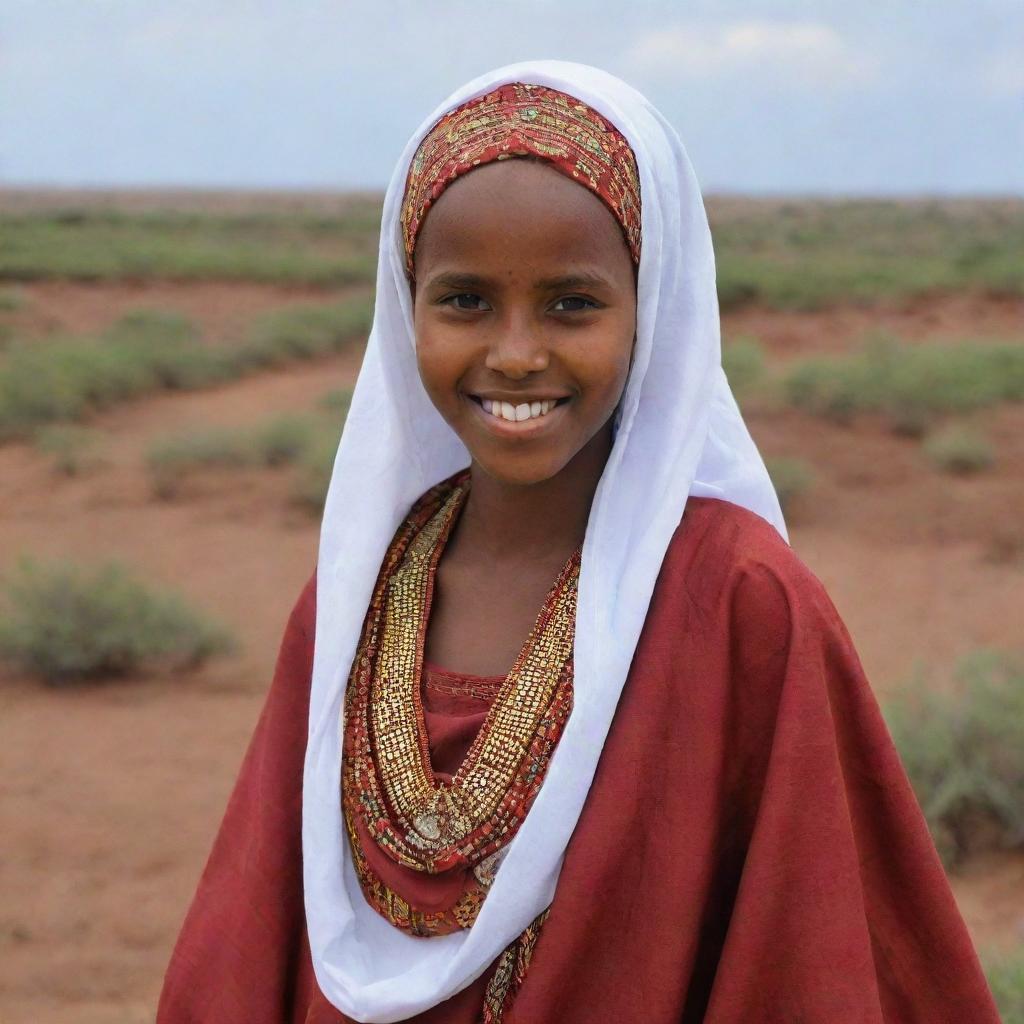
{"points": [[387, 781]]}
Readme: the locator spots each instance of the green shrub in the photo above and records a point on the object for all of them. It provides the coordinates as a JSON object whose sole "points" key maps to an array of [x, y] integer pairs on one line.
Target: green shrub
{"points": [[1005, 974], [94, 244], [337, 400], [964, 754], [152, 326], [314, 476], [71, 448], [170, 462], [303, 332], [11, 300], [790, 477], [151, 350], [65, 624], [959, 450], [283, 440], [813, 253], [743, 362], [910, 385]]}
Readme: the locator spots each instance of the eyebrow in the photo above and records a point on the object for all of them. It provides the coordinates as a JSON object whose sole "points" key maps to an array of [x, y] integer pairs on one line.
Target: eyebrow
{"points": [[548, 284]]}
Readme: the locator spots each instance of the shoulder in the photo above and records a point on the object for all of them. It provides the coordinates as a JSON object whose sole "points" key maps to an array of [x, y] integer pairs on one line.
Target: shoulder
{"points": [[731, 560], [300, 628]]}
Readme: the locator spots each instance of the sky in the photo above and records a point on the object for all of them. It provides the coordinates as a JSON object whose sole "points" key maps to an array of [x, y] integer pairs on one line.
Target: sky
{"points": [[768, 96]]}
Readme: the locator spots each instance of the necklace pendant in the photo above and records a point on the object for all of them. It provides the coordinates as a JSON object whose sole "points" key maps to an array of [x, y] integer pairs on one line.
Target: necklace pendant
{"points": [[428, 825]]}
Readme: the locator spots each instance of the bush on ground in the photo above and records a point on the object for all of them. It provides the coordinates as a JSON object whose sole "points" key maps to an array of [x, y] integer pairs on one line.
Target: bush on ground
{"points": [[790, 477], [910, 385], [171, 461], [72, 448], [959, 450], [304, 332], [744, 364], [810, 254], [314, 477], [337, 400], [91, 244], [151, 350], [65, 624], [964, 754], [11, 300], [278, 442], [1005, 974], [283, 440]]}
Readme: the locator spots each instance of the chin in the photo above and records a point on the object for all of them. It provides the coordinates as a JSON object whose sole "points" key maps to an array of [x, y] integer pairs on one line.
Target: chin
{"points": [[519, 471]]}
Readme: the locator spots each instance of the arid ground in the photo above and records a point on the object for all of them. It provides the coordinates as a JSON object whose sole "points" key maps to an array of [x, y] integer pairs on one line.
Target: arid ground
{"points": [[112, 791]]}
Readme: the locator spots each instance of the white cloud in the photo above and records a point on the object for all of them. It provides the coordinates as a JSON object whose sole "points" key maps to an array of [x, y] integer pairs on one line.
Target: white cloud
{"points": [[804, 52]]}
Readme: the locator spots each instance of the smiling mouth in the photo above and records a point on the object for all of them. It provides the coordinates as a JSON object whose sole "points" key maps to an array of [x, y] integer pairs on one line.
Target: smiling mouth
{"points": [[518, 412]]}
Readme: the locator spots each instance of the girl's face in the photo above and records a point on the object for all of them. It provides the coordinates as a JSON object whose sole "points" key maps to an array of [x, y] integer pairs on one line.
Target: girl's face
{"points": [[524, 294]]}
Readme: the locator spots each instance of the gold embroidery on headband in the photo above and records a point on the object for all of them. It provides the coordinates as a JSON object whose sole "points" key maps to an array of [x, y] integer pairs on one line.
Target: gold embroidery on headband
{"points": [[518, 119]]}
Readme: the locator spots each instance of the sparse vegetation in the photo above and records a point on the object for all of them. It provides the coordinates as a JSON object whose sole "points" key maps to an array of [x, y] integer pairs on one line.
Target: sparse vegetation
{"points": [[792, 255], [791, 478], [959, 450], [809, 254], [337, 401], [1005, 974], [72, 448], [11, 300], [65, 624], [303, 332], [281, 441], [744, 364], [172, 461], [909, 385], [62, 380], [314, 477], [104, 245], [964, 754]]}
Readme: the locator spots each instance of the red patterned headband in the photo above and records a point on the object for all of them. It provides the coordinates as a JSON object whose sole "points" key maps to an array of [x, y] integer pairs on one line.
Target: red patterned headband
{"points": [[525, 120]]}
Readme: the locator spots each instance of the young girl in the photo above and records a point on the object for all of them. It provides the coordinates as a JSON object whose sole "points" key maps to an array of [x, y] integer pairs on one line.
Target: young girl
{"points": [[562, 730]]}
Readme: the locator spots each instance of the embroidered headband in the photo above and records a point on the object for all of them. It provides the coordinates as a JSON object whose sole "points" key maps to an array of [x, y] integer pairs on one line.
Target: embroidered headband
{"points": [[518, 120]]}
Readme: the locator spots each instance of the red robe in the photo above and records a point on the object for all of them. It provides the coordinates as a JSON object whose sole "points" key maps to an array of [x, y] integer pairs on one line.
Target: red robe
{"points": [[750, 851]]}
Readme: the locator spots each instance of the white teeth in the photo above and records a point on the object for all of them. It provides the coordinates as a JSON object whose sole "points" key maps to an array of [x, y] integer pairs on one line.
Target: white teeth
{"points": [[517, 413]]}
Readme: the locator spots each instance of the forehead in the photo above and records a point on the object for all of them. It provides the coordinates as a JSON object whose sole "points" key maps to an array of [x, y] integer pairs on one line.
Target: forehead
{"points": [[520, 208]]}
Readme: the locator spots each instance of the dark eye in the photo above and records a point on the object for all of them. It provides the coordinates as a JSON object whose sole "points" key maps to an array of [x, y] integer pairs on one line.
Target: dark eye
{"points": [[575, 304], [467, 300]]}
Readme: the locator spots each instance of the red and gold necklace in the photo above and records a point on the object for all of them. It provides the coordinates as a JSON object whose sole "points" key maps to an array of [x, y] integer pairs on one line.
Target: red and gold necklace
{"points": [[387, 781]]}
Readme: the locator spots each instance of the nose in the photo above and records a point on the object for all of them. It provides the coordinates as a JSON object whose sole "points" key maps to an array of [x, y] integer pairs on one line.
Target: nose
{"points": [[517, 349]]}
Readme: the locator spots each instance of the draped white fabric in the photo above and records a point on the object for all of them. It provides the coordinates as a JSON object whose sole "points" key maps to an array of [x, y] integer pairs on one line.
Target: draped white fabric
{"points": [[681, 433]]}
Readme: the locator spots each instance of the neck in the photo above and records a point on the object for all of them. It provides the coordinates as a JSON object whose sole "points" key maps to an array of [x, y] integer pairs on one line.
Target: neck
{"points": [[534, 522]]}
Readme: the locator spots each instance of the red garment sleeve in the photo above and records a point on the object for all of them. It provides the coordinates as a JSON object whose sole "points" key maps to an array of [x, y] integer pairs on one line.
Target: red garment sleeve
{"points": [[242, 955], [843, 911]]}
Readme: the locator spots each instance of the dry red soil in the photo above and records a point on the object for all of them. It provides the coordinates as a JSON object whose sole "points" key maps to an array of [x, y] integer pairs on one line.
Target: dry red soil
{"points": [[112, 793]]}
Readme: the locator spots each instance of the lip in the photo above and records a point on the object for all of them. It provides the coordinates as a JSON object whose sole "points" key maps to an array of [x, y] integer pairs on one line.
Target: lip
{"points": [[521, 429], [516, 399]]}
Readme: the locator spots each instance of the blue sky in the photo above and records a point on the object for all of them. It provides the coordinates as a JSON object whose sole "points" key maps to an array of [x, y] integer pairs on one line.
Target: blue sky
{"points": [[769, 95]]}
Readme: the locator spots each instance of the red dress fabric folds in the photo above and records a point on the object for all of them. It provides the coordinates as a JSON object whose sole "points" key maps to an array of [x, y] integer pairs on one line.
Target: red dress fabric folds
{"points": [[750, 851]]}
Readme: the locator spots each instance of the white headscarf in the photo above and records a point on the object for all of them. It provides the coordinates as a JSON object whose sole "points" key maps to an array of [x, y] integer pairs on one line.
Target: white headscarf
{"points": [[681, 433]]}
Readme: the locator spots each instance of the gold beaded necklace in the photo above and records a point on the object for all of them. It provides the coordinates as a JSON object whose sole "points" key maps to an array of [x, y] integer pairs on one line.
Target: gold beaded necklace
{"points": [[420, 822]]}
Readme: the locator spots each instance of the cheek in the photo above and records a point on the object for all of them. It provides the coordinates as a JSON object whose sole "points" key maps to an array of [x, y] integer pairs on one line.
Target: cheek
{"points": [[439, 363], [602, 363]]}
